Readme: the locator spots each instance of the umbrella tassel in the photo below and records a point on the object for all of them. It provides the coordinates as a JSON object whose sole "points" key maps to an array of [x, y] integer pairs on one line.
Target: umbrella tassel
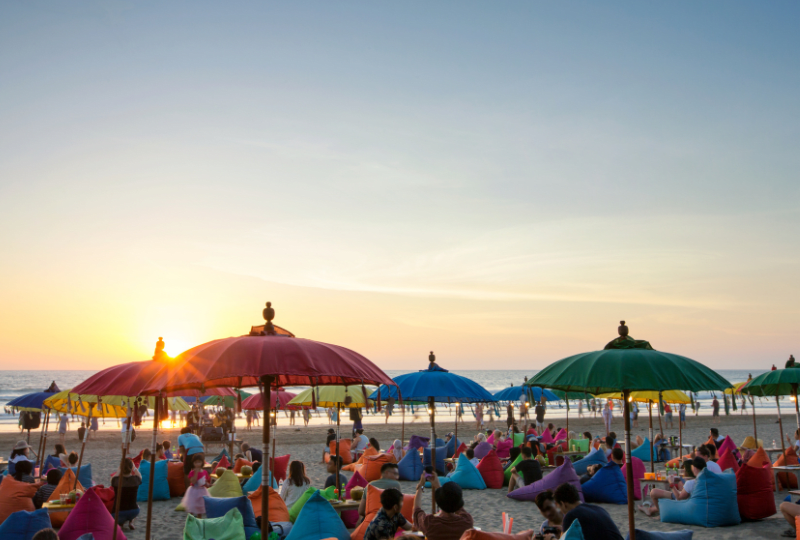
{"points": [[379, 399]]}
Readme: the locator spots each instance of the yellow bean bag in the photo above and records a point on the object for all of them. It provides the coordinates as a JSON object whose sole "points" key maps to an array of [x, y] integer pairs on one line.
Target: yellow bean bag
{"points": [[226, 485]]}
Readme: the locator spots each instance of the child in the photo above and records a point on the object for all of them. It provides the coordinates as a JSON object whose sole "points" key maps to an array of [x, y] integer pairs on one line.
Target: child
{"points": [[198, 480], [167, 452], [388, 519]]}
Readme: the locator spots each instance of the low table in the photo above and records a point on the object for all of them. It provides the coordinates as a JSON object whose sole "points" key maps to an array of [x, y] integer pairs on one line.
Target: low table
{"points": [[771, 451], [795, 469], [341, 506], [56, 506]]}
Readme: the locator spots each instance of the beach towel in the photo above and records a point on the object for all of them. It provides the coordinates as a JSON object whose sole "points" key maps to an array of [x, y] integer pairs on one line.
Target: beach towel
{"points": [[410, 467], [685, 534], [563, 474], [789, 457], [277, 507], [712, 503], [318, 520], [638, 475], [607, 486], [595, 458], [491, 470], [482, 449], [727, 461], [467, 475], [504, 448], [90, 516], [216, 508], [754, 493], [760, 460], [440, 456], [22, 525], [373, 505], [64, 486], [279, 464], [255, 482], [372, 466], [176, 479], [226, 485], [227, 527]]}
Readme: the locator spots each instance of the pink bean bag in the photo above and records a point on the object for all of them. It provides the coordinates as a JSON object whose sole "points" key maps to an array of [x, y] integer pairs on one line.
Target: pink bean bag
{"points": [[281, 463], [727, 461], [638, 475], [504, 448], [563, 474], [547, 437], [728, 444], [350, 517], [90, 516], [482, 449], [491, 470], [490, 438], [561, 435]]}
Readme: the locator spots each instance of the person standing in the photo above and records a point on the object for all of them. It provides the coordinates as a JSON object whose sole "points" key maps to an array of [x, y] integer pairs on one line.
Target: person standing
{"points": [[509, 414], [715, 410], [479, 416], [63, 426], [682, 415], [539, 417], [608, 416]]}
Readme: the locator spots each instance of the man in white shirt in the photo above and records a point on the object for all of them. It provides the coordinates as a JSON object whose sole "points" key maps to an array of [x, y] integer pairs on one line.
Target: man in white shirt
{"points": [[704, 453], [360, 442]]}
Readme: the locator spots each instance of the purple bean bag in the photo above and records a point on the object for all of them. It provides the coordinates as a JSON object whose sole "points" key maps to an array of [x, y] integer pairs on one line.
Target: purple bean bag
{"points": [[483, 449], [563, 474], [418, 442]]}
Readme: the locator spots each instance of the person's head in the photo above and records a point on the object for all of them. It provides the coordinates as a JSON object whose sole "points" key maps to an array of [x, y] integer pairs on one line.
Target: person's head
{"points": [[166, 445], [714, 432], [470, 453], [199, 461], [513, 454], [53, 477], [592, 469], [45, 534], [331, 431], [332, 464], [20, 449], [297, 474], [373, 442], [159, 449], [245, 447], [359, 432], [797, 434], [527, 452], [83, 424], [480, 437], [566, 497], [127, 469], [392, 501], [60, 450], [698, 464], [703, 452], [22, 468], [547, 507], [73, 458], [587, 435], [185, 430], [389, 471], [145, 455], [613, 435], [550, 426], [609, 441], [617, 455], [449, 497]]}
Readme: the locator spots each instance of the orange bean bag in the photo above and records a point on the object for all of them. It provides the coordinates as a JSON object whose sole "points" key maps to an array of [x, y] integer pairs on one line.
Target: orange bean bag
{"points": [[16, 496], [344, 449], [277, 508], [373, 505], [760, 460], [677, 461], [372, 466], [712, 447], [176, 479], [369, 451], [64, 486], [237, 468], [492, 470], [727, 461], [787, 480]]}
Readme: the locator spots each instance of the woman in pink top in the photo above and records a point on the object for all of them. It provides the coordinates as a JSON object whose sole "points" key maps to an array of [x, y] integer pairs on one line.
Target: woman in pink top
{"points": [[198, 480]]}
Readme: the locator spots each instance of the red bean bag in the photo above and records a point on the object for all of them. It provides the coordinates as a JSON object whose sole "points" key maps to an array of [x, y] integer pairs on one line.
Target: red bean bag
{"points": [[64, 486], [138, 459], [459, 450], [90, 516], [372, 507], [372, 466], [237, 468], [491, 471], [504, 448], [727, 461], [344, 450], [277, 508], [281, 463], [16, 496], [176, 479], [552, 454], [754, 492], [106, 495], [224, 463], [638, 475], [760, 460], [787, 480]]}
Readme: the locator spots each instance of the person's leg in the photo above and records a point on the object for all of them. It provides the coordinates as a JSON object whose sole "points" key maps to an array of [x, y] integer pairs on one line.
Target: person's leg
{"points": [[790, 511], [655, 495]]}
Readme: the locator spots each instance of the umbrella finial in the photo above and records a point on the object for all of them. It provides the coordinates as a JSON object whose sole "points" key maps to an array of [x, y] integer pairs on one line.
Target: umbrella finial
{"points": [[623, 329], [269, 314], [159, 354]]}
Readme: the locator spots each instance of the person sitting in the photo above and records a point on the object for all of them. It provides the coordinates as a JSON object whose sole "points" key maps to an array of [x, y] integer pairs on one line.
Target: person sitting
{"points": [[44, 492], [451, 521], [388, 480], [45, 534], [513, 454], [595, 522], [389, 518], [19, 453], [166, 445], [131, 480], [360, 442], [471, 457], [24, 471], [373, 442], [72, 459], [618, 456], [331, 468], [790, 510], [397, 450], [59, 451], [587, 435], [297, 483], [552, 429], [160, 452], [796, 442], [526, 472], [498, 436], [331, 436], [591, 470], [553, 518], [146, 455], [253, 454], [705, 452], [609, 442], [717, 438], [680, 490]]}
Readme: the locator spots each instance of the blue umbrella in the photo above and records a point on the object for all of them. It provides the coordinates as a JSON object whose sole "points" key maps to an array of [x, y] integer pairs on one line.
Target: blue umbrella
{"points": [[30, 401], [515, 393]]}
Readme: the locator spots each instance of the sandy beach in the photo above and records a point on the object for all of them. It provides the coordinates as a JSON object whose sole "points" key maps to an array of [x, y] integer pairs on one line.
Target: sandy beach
{"points": [[486, 506]]}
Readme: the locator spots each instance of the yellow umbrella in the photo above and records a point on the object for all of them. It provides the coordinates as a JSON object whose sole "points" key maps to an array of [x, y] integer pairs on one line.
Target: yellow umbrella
{"points": [[737, 388], [670, 396], [83, 405], [333, 396]]}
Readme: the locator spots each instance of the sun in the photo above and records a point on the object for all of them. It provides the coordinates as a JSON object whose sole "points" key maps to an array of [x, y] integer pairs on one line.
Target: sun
{"points": [[174, 346]]}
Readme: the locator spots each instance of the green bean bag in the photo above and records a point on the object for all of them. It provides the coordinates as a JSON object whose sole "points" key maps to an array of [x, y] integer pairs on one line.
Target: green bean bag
{"points": [[228, 527], [581, 444], [507, 473], [326, 493], [226, 485]]}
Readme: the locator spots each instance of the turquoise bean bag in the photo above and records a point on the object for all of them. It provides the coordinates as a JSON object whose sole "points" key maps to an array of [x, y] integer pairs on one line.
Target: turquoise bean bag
{"points": [[451, 446], [607, 486], [713, 503], [595, 458], [318, 520], [85, 478], [22, 525], [410, 467], [255, 481], [467, 475], [643, 451], [160, 483], [574, 532]]}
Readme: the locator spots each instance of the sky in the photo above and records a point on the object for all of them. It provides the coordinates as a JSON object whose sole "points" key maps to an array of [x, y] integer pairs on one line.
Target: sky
{"points": [[499, 183]]}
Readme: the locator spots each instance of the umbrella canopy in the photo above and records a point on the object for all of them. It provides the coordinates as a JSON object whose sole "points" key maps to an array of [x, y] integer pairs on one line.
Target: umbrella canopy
{"points": [[564, 396], [779, 382], [736, 388], [68, 401], [86, 408], [438, 384], [34, 401], [332, 396], [523, 393], [227, 401], [279, 400], [670, 396]]}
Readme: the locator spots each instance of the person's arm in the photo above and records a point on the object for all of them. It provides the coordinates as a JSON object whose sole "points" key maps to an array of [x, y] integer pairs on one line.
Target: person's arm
{"points": [[418, 493], [434, 482], [362, 506]]}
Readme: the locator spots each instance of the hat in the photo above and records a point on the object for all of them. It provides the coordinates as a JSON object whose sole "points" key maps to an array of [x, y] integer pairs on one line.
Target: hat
{"points": [[21, 445]]}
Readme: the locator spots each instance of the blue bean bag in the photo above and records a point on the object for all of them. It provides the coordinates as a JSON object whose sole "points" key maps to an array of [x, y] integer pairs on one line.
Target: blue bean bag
{"points": [[255, 481], [466, 474], [575, 532], [22, 525], [219, 456], [607, 486], [160, 483], [643, 451], [713, 503], [219, 507], [441, 453], [439, 442], [451, 446], [442, 481], [318, 520], [685, 534], [85, 478], [52, 462], [410, 467], [595, 458]]}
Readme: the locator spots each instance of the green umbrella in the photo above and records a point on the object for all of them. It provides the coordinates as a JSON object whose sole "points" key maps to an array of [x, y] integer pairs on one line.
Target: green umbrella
{"points": [[778, 382], [627, 365], [227, 401]]}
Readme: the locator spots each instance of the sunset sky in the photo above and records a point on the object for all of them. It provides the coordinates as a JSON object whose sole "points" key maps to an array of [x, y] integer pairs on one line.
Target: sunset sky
{"points": [[501, 183]]}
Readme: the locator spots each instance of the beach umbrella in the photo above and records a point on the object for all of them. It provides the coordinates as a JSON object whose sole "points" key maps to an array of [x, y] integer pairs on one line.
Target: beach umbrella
{"points": [[268, 357], [279, 401], [778, 382], [627, 365], [35, 403], [226, 401]]}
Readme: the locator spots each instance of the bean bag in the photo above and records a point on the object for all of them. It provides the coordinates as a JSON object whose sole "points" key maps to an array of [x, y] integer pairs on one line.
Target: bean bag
{"points": [[138, 459], [727, 461], [160, 482], [255, 482], [89, 516], [237, 468], [228, 527], [467, 475], [226, 485], [107, 495], [491, 470], [440, 454], [581, 444], [750, 443], [373, 505], [474, 534], [504, 448], [439, 442], [223, 454], [490, 439], [789, 457], [547, 437], [85, 476], [16, 496], [553, 453], [685, 534], [482, 449], [519, 439], [52, 462], [754, 493], [350, 517], [223, 463], [442, 481], [561, 435], [638, 475], [451, 446], [318, 520], [344, 451], [563, 474], [216, 508], [279, 464], [410, 467], [728, 444], [760, 460], [418, 442], [595, 458], [643, 451], [507, 471], [64, 486], [710, 505], [176, 479], [297, 507], [607, 486], [22, 525], [368, 451], [574, 532], [372, 466], [461, 449], [277, 507]]}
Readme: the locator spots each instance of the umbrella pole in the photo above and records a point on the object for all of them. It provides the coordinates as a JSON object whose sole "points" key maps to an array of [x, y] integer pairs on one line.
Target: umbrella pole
{"points": [[753, 406], [118, 494], [455, 436], [156, 413], [660, 425], [83, 446], [626, 407], [266, 382], [338, 423], [431, 404], [403, 428], [796, 405], [780, 423], [650, 413], [567, 400], [43, 441]]}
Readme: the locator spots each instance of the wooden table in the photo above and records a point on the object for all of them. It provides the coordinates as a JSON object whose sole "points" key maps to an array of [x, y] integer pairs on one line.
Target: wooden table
{"points": [[771, 451], [341, 506], [785, 469], [571, 453], [56, 506]]}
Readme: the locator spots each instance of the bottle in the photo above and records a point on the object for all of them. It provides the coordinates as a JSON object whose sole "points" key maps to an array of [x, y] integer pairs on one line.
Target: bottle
{"points": [[343, 491], [773, 444]]}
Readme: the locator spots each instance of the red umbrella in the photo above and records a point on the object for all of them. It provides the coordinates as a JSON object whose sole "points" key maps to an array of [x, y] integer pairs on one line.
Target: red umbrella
{"points": [[266, 359], [278, 401]]}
